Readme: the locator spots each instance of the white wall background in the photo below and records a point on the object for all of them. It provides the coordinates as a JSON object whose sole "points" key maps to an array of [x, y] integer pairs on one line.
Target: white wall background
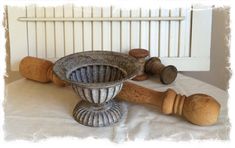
{"points": [[219, 66]]}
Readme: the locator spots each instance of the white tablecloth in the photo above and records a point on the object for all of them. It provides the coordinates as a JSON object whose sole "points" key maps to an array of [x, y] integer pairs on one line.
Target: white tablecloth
{"points": [[34, 111]]}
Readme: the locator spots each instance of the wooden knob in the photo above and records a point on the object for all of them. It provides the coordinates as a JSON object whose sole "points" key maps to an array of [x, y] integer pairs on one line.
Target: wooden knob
{"points": [[39, 70], [199, 109], [167, 73], [140, 54]]}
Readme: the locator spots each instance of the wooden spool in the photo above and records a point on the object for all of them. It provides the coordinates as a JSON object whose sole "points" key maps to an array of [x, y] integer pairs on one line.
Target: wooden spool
{"points": [[140, 54], [167, 74]]}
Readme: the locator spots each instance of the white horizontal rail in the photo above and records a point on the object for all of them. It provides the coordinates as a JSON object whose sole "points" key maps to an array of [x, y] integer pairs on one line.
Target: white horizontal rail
{"points": [[42, 19]]}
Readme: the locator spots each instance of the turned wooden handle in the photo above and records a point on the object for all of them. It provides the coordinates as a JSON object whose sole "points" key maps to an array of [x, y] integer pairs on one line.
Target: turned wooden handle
{"points": [[199, 109], [39, 70]]}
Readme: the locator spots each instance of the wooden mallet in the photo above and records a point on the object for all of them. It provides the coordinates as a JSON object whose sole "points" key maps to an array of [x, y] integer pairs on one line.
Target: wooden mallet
{"points": [[199, 109]]}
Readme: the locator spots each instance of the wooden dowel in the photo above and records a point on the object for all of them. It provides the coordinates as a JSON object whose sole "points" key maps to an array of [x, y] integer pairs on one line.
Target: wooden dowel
{"points": [[42, 19]]}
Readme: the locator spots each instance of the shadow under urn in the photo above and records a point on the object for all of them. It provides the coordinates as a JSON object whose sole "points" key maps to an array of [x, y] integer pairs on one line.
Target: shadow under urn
{"points": [[96, 77]]}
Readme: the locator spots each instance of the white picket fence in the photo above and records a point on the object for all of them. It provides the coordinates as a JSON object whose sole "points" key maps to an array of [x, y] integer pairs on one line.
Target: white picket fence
{"points": [[179, 36]]}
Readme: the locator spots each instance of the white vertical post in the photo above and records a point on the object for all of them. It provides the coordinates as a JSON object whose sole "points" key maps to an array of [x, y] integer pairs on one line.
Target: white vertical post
{"points": [[87, 33], [78, 30], [174, 34], [125, 26], [41, 33], [32, 40], [164, 34], [184, 37], [135, 29], [97, 34], [154, 34], [107, 29], [50, 34], [144, 41], [59, 32], [68, 30], [116, 42]]}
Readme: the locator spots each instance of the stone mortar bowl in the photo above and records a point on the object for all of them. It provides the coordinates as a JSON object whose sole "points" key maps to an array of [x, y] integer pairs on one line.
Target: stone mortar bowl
{"points": [[96, 77]]}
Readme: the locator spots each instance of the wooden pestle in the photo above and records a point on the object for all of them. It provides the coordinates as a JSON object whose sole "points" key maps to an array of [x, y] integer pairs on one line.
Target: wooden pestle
{"points": [[39, 70], [199, 109]]}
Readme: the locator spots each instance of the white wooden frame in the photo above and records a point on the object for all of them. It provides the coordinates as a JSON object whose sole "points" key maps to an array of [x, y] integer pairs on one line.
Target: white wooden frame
{"points": [[179, 36]]}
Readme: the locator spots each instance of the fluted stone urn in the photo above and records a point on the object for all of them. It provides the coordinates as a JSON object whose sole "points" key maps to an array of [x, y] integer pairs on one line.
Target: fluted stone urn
{"points": [[96, 77]]}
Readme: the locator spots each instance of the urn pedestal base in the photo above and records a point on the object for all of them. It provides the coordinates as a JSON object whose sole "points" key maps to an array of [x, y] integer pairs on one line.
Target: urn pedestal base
{"points": [[97, 115]]}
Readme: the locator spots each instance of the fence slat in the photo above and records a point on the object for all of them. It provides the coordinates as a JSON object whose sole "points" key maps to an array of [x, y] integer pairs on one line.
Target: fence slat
{"points": [[144, 41], [59, 33], [154, 34], [50, 34], [135, 30], [68, 30], [164, 34], [97, 35], [107, 29], [174, 34], [87, 33], [184, 33], [32, 32], [78, 30], [125, 26], [41, 33], [116, 31]]}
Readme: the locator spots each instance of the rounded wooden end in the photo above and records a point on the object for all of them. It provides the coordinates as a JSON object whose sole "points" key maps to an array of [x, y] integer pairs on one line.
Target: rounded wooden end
{"points": [[35, 69], [168, 74], [201, 109]]}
